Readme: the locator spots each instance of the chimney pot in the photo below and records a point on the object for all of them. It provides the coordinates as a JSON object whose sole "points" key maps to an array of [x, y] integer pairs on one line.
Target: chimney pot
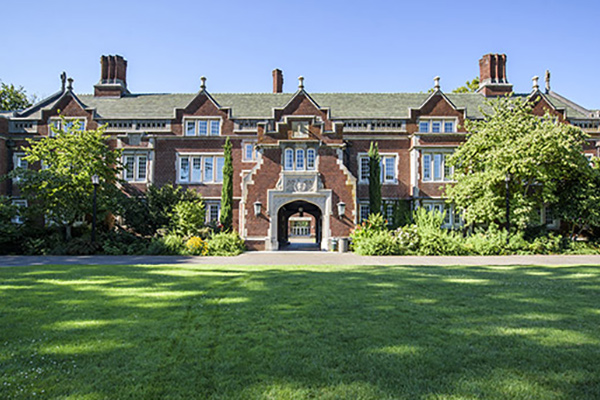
{"points": [[547, 81], [535, 82], [277, 81], [70, 86], [202, 83], [492, 75], [113, 77], [301, 82], [436, 83]]}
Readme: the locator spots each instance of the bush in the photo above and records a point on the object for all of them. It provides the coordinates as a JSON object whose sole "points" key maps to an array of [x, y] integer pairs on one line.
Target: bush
{"points": [[407, 238], [433, 239], [187, 217], [225, 244], [173, 244], [379, 243], [487, 243], [120, 242], [196, 246]]}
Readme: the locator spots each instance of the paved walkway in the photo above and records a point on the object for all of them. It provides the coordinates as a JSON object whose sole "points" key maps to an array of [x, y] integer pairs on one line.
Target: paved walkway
{"points": [[302, 258]]}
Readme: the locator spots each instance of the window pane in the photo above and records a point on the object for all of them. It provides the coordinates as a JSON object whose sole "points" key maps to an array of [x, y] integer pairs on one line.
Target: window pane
{"points": [[448, 126], [364, 212], [215, 127], [196, 169], [437, 167], [184, 169], [248, 150], [299, 160], [129, 167], [447, 215], [436, 126], [141, 168], [208, 169], [424, 126], [310, 159], [289, 160], [390, 169], [190, 128], [220, 166], [447, 168], [364, 168], [426, 167], [202, 128], [457, 220]]}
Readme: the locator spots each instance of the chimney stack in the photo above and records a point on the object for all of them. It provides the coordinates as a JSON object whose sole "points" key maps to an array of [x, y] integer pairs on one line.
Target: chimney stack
{"points": [[492, 75], [277, 81], [113, 77]]}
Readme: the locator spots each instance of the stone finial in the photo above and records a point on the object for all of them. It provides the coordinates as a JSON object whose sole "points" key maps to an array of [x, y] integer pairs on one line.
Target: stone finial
{"points": [[547, 80], [70, 85], [301, 82], [436, 83], [203, 83], [63, 80], [535, 82]]}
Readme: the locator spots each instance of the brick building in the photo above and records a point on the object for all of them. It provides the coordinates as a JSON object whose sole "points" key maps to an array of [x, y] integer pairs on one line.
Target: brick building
{"points": [[295, 154]]}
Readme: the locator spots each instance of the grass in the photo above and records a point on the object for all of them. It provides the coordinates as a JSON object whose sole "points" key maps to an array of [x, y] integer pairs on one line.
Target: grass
{"points": [[201, 332]]}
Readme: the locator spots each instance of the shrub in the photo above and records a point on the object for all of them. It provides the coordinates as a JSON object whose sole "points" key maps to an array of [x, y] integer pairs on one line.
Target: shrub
{"points": [[486, 243], [173, 243], [407, 239], [196, 246], [187, 217], [120, 242], [379, 243], [225, 244], [433, 239]]}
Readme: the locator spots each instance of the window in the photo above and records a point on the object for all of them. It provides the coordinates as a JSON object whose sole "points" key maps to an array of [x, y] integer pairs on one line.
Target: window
{"points": [[388, 168], [364, 212], [452, 216], [200, 168], [19, 162], [20, 204], [65, 125], [250, 153], [300, 159], [135, 167], [437, 125], [299, 129], [202, 127], [435, 167], [213, 211]]}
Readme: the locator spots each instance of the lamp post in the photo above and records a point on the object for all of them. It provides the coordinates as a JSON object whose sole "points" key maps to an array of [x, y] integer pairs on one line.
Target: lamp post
{"points": [[95, 182], [257, 208], [506, 193], [341, 209]]}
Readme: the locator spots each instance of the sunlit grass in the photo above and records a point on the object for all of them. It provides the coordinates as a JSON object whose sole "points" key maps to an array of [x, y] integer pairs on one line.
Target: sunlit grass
{"points": [[325, 332]]}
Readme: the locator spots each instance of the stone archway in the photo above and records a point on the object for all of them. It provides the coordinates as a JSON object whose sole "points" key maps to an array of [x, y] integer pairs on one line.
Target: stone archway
{"points": [[298, 207]]}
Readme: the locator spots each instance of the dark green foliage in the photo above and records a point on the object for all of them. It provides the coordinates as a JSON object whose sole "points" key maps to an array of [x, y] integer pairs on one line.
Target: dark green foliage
{"points": [[433, 239], [10, 233], [402, 213], [374, 179], [13, 98], [187, 217], [225, 244], [227, 190]]}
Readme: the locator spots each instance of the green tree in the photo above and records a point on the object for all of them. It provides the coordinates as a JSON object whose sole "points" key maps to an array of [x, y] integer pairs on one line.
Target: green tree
{"points": [[374, 179], [61, 187], [13, 98], [470, 86], [541, 158], [227, 190]]}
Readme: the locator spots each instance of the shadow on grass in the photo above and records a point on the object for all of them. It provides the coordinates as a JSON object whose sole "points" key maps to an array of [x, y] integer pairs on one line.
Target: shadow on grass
{"points": [[300, 332]]}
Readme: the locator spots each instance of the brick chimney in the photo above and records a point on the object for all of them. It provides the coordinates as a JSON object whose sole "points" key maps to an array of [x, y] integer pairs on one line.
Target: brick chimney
{"points": [[113, 77], [277, 81], [492, 75]]}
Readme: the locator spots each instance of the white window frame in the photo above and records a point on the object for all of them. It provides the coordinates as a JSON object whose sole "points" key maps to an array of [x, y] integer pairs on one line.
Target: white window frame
{"points": [[200, 176], [196, 124], [453, 217], [254, 152], [436, 157], [363, 168], [19, 203], [290, 159], [210, 205], [442, 127], [137, 164], [57, 123], [363, 211]]}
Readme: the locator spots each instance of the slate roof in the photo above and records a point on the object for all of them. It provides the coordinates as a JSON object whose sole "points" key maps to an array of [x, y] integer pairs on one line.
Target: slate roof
{"points": [[261, 105]]}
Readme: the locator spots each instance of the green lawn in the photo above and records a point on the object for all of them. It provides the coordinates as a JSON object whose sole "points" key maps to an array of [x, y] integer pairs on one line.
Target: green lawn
{"points": [[214, 332]]}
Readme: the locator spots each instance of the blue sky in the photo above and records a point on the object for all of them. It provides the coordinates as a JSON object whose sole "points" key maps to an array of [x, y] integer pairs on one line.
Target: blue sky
{"points": [[338, 46]]}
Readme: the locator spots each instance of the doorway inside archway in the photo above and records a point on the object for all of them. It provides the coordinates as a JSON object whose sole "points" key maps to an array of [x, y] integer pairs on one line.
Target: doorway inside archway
{"points": [[299, 226]]}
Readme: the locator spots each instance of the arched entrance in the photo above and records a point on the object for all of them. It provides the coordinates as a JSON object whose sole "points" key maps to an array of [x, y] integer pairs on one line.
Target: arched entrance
{"points": [[296, 212]]}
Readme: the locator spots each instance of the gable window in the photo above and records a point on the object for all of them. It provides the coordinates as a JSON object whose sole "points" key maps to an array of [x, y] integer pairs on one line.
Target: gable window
{"points": [[436, 168], [58, 124], [437, 125], [200, 168], [388, 168], [135, 167], [202, 127], [299, 129], [300, 159]]}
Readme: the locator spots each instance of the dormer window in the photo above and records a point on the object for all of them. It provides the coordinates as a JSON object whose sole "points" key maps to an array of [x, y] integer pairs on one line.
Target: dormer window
{"points": [[437, 125], [202, 127], [299, 129]]}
